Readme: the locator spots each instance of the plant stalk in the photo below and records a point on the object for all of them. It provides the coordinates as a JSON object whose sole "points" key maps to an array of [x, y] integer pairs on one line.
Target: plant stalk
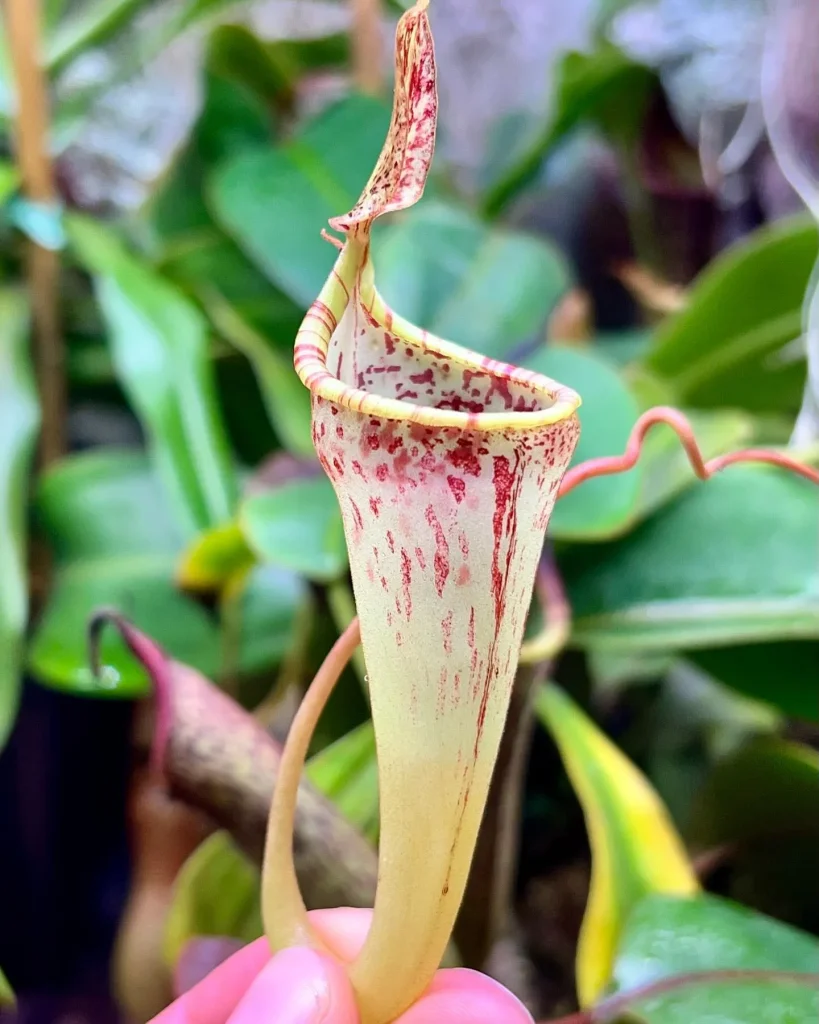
{"points": [[37, 172], [368, 46]]}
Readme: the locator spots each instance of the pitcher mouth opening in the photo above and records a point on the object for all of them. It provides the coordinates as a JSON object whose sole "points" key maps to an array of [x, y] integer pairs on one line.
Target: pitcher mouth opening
{"points": [[358, 354]]}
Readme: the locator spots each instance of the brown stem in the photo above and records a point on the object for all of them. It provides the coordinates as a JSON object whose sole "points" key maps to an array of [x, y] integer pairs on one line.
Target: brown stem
{"points": [[42, 265], [368, 46], [215, 756]]}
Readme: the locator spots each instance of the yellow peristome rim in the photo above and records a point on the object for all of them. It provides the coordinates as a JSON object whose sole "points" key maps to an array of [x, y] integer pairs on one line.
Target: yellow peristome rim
{"points": [[353, 271]]}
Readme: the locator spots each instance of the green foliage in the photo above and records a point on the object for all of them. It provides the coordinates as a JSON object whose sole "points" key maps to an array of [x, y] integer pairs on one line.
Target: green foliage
{"points": [[346, 771], [19, 419], [216, 893], [670, 938], [298, 525], [159, 346], [463, 279], [664, 574], [601, 507], [721, 350], [276, 202], [603, 89], [117, 544], [733, 560]]}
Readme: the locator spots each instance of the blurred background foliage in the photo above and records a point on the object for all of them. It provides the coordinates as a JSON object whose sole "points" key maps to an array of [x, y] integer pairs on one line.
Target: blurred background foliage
{"points": [[596, 243]]}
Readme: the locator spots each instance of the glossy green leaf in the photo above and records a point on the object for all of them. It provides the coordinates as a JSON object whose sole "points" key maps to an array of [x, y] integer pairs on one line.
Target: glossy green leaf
{"points": [[19, 419], [490, 288], [668, 937], [275, 203], [635, 848], [723, 349], [107, 520], [782, 674], [602, 507], [116, 545], [160, 351], [734, 559], [347, 773], [217, 892], [244, 307], [605, 89], [297, 526]]}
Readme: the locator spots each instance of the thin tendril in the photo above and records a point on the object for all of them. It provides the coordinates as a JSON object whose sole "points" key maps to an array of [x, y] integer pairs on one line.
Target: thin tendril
{"points": [[283, 909], [557, 615], [610, 464]]}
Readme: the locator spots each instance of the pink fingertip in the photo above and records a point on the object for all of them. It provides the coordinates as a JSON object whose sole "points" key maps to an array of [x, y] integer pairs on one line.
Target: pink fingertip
{"points": [[213, 1000], [298, 986], [461, 996]]}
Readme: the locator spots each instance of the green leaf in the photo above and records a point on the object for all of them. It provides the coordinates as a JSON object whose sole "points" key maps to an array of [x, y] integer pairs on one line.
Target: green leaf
{"points": [[347, 773], [9, 181], [734, 559], [783, 674], [249, 312], [160, 351], [768, 787], [89, 25], [217, 892], [635, 848], [259, 613], [19, 420], [605, 506], [214, 558], [286, 399], [117, 545], [605, 89], [760, 802], [745, 306], [492, 289], [297, 526], [275, 203], [668, 937], [273, 69]]}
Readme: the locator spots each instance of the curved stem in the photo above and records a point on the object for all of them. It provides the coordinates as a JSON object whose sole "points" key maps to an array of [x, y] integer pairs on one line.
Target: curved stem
{"points": [[557, 615], [283, 910], [680, 425]]}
